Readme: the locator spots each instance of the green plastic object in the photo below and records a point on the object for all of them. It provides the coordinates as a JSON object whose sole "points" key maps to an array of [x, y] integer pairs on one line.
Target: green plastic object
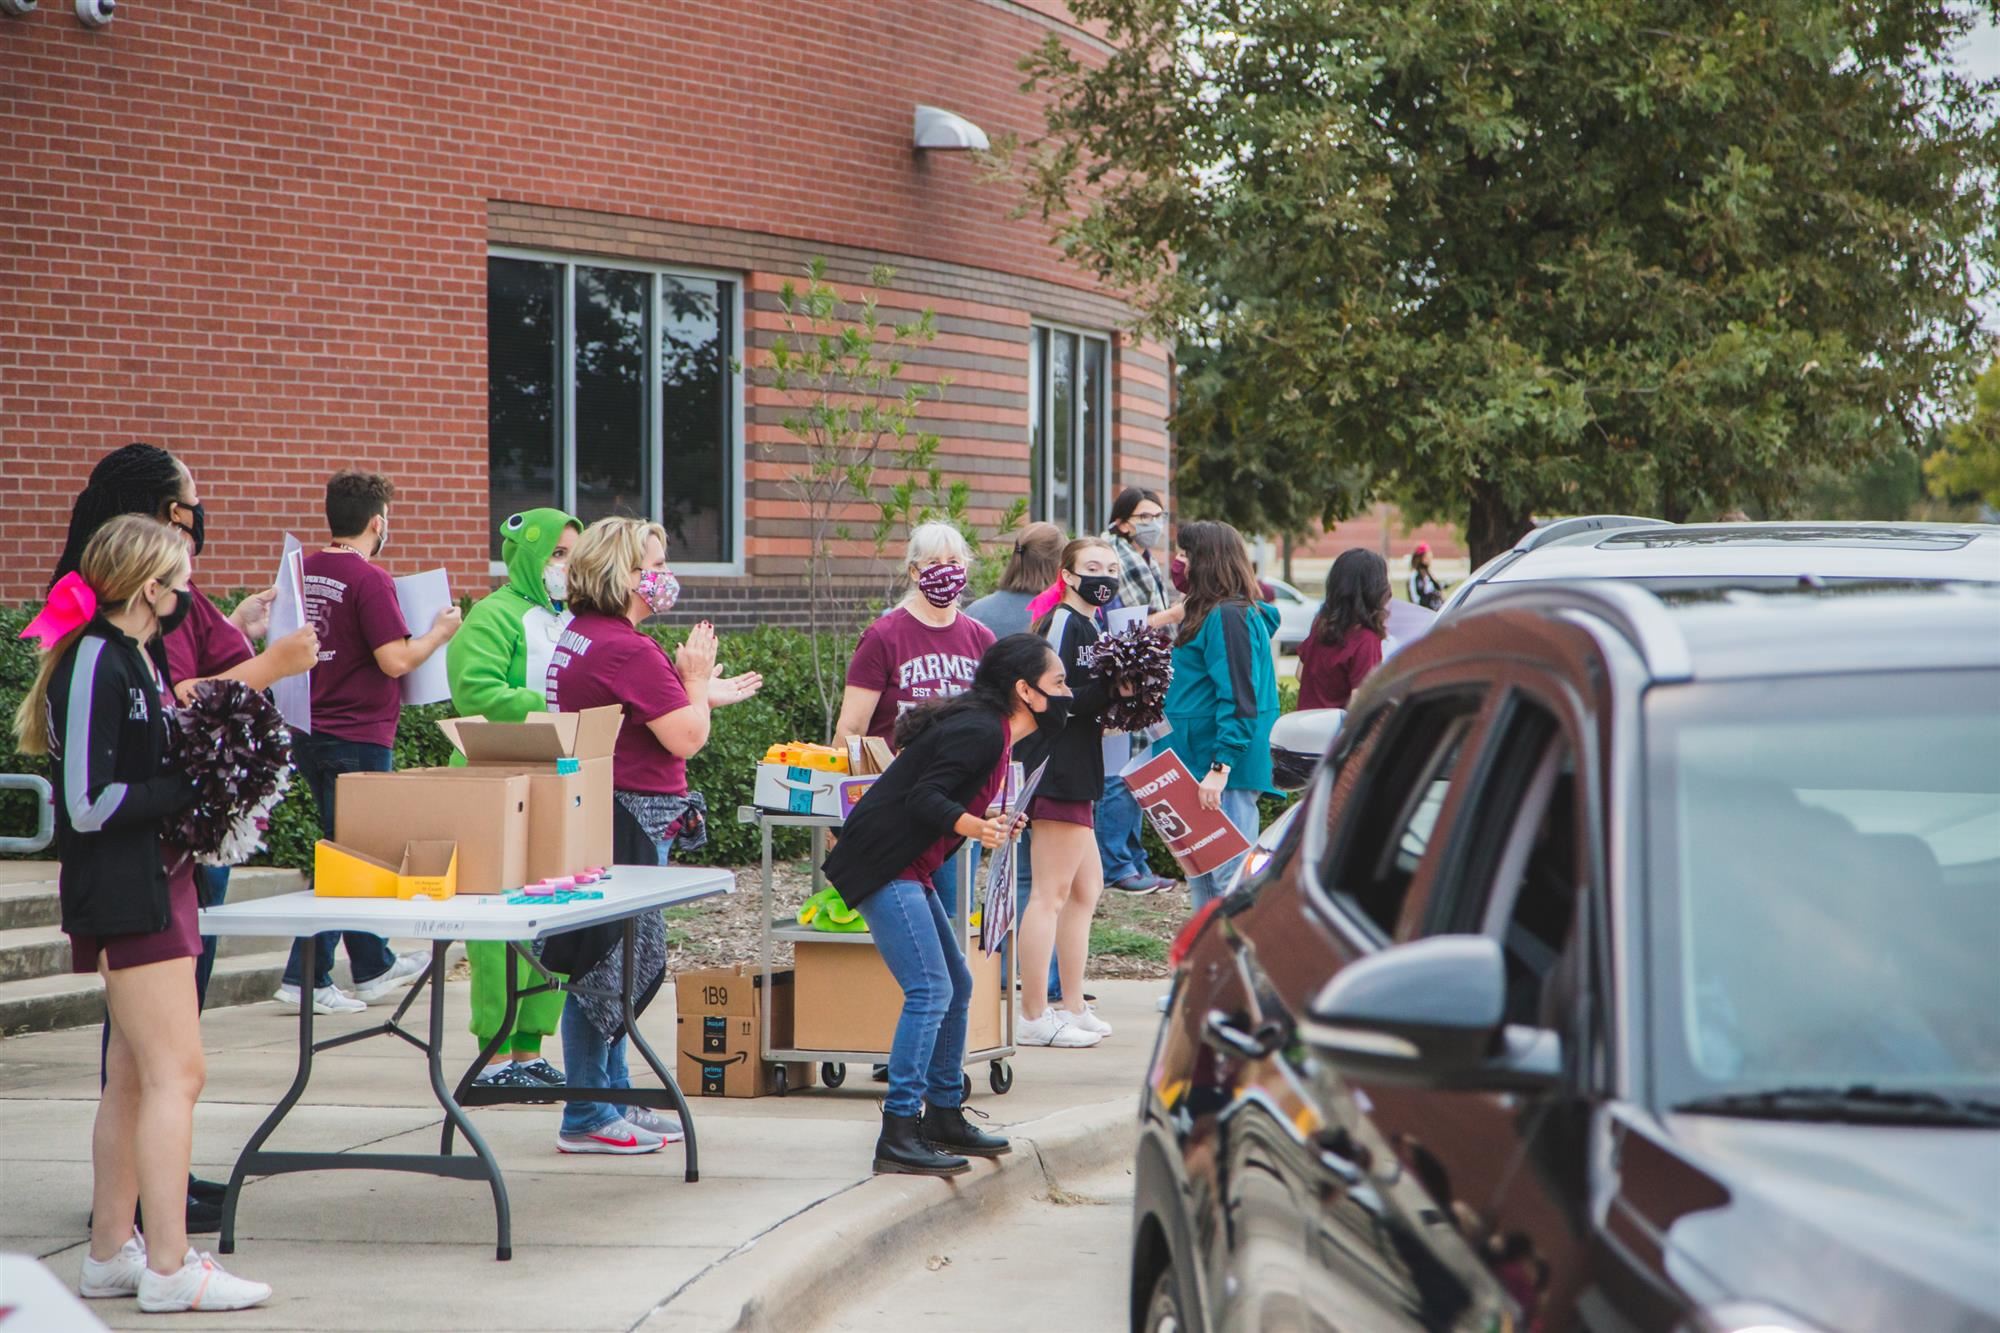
{"points": [[827, 910]]}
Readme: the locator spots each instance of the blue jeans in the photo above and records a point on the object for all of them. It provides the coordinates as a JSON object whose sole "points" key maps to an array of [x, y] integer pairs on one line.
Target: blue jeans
{"points": [[946, 878], [920, 946], [1240, 804], [320, 761], [591, 1060], [211, 886], [1118, 844]]}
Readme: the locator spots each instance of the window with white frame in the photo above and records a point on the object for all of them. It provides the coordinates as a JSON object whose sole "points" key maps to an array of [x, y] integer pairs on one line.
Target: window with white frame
{"points": [[1069, 386], [609, 392]]}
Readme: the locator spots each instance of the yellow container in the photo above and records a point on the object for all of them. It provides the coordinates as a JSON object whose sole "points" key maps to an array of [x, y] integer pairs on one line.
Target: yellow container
{"points": [[429, 869], [798, 754]]}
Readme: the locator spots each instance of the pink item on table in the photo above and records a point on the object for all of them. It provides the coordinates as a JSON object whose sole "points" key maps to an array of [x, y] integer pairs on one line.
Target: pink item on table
{"points": [[541, 890]]}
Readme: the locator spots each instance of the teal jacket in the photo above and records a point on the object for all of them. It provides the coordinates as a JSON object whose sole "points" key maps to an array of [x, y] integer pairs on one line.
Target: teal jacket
{"points": [[1225, 695]]}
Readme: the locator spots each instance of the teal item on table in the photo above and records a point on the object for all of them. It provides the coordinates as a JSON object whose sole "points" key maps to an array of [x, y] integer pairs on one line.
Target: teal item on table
{"points": [[518, 899], [1224, 697]]}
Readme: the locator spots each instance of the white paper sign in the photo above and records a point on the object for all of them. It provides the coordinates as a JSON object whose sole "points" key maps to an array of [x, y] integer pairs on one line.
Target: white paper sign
{"points": [[293, 694], [422, 596]]}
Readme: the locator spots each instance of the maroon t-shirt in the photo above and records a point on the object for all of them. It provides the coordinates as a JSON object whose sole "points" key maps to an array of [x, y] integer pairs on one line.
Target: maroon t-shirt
{"points": [[1329, 674], [603, 660], [205, 644], [352, 604], [911, 662], [926, 866]]}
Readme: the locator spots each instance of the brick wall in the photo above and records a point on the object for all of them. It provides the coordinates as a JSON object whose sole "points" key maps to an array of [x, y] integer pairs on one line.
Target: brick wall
{"points": [[256, 234]]}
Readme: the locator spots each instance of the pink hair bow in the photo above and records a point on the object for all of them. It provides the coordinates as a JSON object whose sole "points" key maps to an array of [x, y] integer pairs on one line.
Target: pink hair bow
{"points": [[1046, 600], [70, 606]]}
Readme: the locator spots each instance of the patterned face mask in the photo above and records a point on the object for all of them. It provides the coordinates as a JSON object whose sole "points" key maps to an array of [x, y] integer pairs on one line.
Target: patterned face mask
{"points": [[941, 584], [660, 589]]}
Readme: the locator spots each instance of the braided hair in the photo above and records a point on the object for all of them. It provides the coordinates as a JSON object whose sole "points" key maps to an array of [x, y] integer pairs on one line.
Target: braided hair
{"points": [[137, 479]]}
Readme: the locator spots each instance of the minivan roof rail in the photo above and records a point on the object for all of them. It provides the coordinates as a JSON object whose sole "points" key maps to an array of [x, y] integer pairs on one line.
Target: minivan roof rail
{"points": [[1569, 527], [1640, 617]]}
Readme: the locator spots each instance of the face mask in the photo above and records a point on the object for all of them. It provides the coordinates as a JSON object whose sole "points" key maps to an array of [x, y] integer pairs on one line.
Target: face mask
{"points": [[941, 584], [382, 537], [1150, 534], [1055, 716], [660, 589], [1177, 571], [1097, 589], [196, 528], [555, 582], [171, 621]]}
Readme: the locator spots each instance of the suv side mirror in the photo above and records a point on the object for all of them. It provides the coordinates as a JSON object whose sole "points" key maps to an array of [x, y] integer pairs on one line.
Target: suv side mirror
{"points": [[1431, 1013]]}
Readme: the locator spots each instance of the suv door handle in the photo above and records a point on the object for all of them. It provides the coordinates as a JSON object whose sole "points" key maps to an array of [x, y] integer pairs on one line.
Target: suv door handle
{"points": [[1221, 1031]]}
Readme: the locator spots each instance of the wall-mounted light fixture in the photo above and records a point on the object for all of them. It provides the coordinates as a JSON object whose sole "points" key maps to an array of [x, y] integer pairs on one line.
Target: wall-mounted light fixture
{"points": [[14, 9], [96, 13], [946, 130]]}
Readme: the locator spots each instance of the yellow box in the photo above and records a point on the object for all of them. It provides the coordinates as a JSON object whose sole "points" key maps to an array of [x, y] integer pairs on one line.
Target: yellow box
{"points": [[429, 869]]}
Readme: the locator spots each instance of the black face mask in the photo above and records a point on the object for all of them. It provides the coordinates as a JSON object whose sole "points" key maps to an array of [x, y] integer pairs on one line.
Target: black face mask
{"points": [[197, 530], [1055, 716], [1097, 589], [183, 603]]}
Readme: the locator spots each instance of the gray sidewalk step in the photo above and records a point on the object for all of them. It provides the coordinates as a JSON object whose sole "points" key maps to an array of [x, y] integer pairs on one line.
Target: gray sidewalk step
{"points": [[66, 1000]]}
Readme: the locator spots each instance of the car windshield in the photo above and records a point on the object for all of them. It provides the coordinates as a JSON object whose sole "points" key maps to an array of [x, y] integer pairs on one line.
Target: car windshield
{"points": [[1824, 884]]}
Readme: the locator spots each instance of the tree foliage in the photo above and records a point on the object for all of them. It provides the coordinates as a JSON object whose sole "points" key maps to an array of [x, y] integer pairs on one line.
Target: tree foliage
{"points": [[1500, 259], [1968, 466]]}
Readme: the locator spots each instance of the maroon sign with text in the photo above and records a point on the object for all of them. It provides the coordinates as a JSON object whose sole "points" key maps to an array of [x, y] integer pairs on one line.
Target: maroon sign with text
{"points": [[1200, 840]]}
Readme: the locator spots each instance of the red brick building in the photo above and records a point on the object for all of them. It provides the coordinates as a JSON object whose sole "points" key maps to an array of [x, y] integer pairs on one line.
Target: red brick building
{"points": [[506, 253]]}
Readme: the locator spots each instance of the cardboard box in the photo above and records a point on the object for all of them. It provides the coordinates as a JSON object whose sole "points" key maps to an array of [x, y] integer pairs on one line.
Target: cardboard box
{"points": [[719, 1033], [848, 1001], [568, 759], [426, 870], [485, 812], [799, 791]]}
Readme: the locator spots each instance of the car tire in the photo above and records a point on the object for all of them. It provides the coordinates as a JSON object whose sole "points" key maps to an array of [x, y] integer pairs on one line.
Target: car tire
{"points": [[1163, 1311]]}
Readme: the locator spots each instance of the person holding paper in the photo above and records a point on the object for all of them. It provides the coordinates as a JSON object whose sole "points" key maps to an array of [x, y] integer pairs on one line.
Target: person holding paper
{"points": [[1068, 875], [953, 760], [616, 578], [364, 649], [146, 480], [499, 667], [1138, 528], [1348, 632], [1224, 697]]}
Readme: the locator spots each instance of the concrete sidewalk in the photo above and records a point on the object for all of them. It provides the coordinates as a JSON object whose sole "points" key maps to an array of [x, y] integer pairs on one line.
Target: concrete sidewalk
{"points": [[600, 1243]]}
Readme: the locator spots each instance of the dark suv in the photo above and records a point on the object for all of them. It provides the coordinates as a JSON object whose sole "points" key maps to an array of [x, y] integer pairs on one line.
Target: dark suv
{"points": [[1632, 965]]}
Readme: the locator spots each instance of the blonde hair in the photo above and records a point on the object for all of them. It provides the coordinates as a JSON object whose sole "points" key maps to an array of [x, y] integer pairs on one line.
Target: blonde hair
{"points": [[601, 565], [123, 556]]}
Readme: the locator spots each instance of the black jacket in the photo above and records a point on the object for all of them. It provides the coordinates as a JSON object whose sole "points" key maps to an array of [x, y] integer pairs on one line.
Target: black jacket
{"points": [[108, 735], [1076, 755], [916, 802]]}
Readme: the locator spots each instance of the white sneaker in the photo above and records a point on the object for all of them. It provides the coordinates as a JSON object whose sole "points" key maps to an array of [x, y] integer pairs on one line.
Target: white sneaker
{"points": [[1089, 1021], [1053, 1028], [328, 999], [664, 1123], [621, 1137], [201, 1284], [117, 1276], [406, 969]]}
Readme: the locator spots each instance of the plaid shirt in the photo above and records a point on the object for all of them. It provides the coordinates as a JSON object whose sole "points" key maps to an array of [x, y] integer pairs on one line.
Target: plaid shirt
{"points": [[1142, 582]]}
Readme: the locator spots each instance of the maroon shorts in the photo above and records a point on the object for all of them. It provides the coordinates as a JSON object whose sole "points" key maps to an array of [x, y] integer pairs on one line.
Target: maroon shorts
{"points": [[1062, 812], [181, 938]]}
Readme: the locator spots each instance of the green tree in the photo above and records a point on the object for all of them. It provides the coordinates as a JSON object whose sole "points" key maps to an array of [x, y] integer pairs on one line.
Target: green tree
{"points": [[841, 366], [1492, 260], [1969, 463]]}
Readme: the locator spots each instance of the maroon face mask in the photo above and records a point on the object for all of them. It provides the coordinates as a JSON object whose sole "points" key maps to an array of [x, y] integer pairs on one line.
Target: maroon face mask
{"points": [[1177, 572]]}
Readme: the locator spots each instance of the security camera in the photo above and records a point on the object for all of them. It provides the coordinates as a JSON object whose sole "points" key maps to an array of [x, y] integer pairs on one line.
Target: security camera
{"points": [[96, 13], [16, 8]]}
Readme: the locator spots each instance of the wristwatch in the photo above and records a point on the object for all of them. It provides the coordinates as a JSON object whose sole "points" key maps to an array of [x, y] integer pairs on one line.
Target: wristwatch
{"points": [[1219, 768]]}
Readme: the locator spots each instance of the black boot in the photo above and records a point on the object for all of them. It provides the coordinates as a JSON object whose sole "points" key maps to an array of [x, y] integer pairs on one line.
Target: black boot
{"points": [[901, 1151], [208, 1191], [946, 1129]]}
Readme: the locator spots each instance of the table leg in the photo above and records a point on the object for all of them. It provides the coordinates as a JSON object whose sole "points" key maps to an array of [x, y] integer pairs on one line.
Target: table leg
{"points": [[646, 1053], [454, 1114], [492, 1047], [227, 1243]]}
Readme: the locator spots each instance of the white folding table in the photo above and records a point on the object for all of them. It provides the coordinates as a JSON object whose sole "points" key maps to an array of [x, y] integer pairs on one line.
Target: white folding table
{"points": [[630, 892]]}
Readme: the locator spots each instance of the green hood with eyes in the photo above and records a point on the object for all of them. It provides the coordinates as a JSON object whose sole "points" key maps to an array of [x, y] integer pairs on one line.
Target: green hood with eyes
{"points": [[487, 660]]}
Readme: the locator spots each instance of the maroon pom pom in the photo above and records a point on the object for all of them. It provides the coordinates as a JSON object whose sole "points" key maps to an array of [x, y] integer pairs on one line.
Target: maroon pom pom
{"points": [[1142, 658]]}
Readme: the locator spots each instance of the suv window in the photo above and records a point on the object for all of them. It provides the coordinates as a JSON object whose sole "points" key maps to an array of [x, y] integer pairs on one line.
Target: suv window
{"points": [[1398, 781]]}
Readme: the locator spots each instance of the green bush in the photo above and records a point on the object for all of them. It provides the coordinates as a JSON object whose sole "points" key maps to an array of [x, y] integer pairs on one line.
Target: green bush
{"points": [[787, 709]]}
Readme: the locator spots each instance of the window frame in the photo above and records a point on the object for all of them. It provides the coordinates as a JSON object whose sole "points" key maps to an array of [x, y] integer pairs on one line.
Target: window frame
{"points": [[1041, 415], [735, 458]]}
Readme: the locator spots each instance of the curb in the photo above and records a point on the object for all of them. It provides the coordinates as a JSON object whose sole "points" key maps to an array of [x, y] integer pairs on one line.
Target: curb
{"points": [[818, 1261]]}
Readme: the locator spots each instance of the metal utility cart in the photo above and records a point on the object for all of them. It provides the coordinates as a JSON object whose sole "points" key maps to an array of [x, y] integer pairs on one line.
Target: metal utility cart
{"points": [[777, 929]]}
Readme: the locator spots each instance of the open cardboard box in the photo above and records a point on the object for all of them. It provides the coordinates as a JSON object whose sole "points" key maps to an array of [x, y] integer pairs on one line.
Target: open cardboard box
{"points": [[567, 758], [428, 869], [485, 812]]}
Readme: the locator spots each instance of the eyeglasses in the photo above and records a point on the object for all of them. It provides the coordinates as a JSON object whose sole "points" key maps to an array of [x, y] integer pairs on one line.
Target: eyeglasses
{"points": [[1161, 515]]}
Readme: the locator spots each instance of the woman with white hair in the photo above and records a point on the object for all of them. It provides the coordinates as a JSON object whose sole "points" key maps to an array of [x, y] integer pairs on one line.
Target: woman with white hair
{"points": [[925, 648]]}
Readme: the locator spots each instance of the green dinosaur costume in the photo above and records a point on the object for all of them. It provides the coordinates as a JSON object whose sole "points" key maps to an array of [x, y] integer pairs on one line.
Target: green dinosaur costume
{"points": [[497, 663]]}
